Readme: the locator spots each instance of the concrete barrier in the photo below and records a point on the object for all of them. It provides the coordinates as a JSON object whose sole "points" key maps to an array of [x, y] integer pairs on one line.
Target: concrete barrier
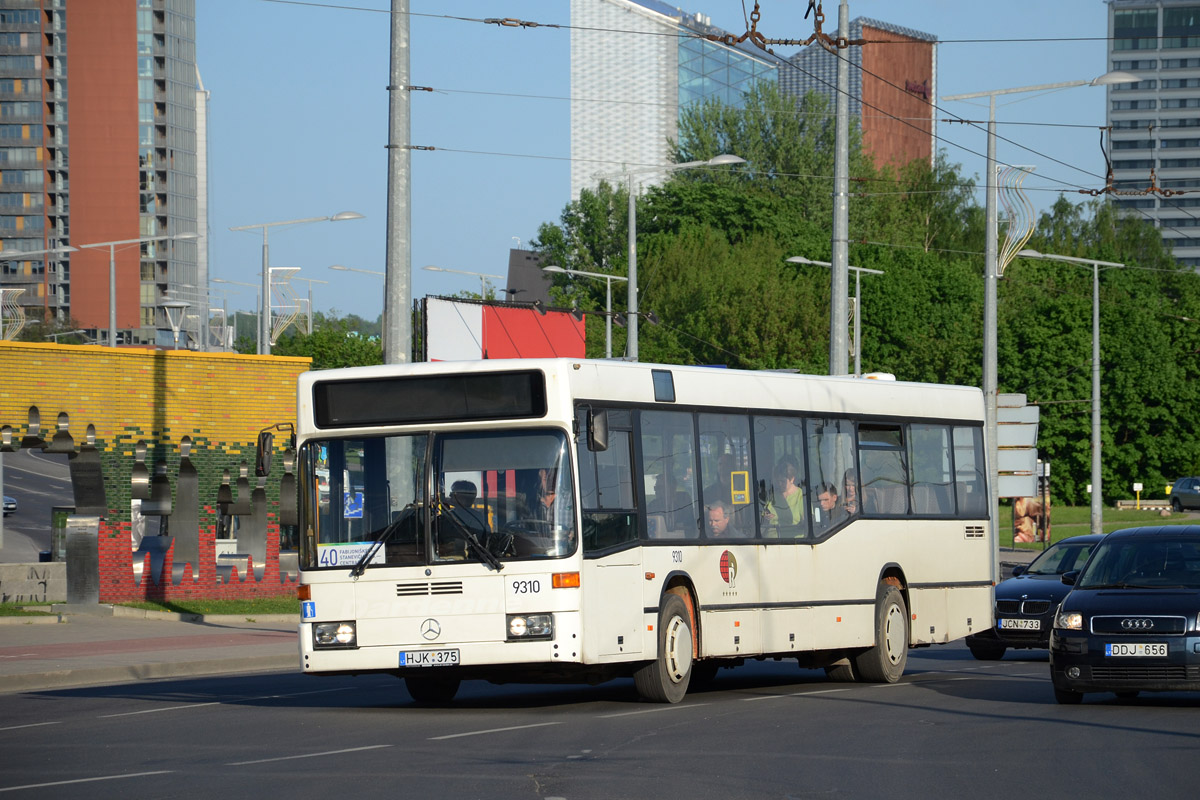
{"points": [[33, 583]]}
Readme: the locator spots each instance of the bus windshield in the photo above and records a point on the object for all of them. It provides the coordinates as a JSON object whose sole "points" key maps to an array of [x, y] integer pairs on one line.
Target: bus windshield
{"points": [[434, 498]]}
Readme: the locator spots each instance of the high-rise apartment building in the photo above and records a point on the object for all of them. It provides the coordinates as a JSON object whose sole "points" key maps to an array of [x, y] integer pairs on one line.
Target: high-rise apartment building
{"points": [[1155, 122], [98, 145], [893, 82], [634, 65]]}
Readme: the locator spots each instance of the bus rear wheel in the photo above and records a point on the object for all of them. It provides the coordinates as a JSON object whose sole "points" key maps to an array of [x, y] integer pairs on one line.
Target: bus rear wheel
{"points": [[885, 662], [666, 678], [432, 691]]}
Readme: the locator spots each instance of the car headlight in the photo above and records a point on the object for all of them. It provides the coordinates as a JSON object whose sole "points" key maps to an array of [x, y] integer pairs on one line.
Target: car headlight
{"points": [[334, 635], [1068, 620], [522, 627]]}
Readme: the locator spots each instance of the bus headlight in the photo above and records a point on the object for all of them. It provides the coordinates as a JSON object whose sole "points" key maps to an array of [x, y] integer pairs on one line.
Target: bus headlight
{"points": [[522, 627], [1069, 620], [334, 634]]}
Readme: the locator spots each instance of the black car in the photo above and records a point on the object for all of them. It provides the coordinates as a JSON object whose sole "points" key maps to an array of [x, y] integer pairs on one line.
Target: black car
{"points": [[1025, 603], [1129, 623]]}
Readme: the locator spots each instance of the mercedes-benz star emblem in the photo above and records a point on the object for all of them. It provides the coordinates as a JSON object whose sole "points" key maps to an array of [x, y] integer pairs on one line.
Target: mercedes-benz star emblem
{"points": [[430, 629], [1137, 624]]}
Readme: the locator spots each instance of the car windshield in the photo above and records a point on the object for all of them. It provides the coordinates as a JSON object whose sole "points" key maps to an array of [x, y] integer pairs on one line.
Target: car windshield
{"points": [[491, 497], [1060, 558], [1143, 562]]}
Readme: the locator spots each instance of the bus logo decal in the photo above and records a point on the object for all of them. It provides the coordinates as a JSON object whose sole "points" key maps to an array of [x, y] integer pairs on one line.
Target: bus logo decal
{"points": [[729, 569], [430, 629]]}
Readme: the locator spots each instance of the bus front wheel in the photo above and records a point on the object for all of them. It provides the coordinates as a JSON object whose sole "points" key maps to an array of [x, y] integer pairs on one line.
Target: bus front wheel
{"points": [[666, 678], [885, 662], [432, 691]]}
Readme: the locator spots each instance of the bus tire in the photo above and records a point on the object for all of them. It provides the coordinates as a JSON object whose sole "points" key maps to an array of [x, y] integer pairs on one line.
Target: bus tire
{"points": [[885, 662], [666, 678], [432, 691]]}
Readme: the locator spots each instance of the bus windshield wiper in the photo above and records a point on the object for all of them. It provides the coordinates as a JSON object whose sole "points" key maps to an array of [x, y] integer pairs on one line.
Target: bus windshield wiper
{"points": [[384, 534], [485, 555]]}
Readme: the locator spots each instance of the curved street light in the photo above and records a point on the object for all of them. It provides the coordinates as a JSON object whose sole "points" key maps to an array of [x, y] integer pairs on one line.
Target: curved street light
{"points": [[264, 322], [1097, 500], [608, 279]]}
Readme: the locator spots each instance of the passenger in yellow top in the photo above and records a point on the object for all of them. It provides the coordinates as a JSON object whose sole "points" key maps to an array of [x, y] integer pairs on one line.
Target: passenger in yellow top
{"points": [[785, 506]]}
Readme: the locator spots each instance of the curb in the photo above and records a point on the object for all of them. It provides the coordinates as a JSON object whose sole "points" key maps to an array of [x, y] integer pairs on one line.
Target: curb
{"points": [[78, 678], [45, 619], [104, 610]]}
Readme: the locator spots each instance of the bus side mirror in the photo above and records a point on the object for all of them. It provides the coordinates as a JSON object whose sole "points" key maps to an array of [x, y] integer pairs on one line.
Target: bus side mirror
{"points": [[263, 453], [597, 430]]}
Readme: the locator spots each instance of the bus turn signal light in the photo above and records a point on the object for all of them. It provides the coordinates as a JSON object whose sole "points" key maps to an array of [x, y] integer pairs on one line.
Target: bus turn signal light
{"points": [[565, 580], [304, 592]]}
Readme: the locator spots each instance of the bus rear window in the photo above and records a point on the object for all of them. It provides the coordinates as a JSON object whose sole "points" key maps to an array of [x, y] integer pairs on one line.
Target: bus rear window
{"points": [[429, 398]]}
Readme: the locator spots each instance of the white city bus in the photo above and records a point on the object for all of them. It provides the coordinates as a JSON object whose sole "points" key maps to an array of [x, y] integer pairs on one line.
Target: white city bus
{"points": [[575, 521]]}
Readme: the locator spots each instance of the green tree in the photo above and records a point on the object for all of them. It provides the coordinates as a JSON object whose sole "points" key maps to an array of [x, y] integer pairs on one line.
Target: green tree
{"points": [[335, 342]]}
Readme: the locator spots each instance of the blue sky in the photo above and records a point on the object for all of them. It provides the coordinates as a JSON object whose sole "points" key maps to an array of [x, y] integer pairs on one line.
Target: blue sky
{"points": [[298, 122]]}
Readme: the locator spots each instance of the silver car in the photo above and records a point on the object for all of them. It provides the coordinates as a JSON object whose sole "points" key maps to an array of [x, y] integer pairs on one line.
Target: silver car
{"points": [[1185, 494], [10, 505]]}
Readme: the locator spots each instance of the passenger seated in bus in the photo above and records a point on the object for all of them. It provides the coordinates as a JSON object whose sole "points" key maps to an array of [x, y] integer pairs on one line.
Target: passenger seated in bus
{"points": [[720, 521], [850, 492], [555, 515], [784, 506], [721, 488], [829, 512], [669, 501]]}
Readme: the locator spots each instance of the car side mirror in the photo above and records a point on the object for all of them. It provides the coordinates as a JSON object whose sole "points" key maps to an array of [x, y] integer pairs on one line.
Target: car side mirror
{"points": [[1019, 570], [1069, 578]]}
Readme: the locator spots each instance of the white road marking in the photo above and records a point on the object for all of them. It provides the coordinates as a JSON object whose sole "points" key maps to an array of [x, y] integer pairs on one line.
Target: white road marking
{"points": [[156, 710], [309, 755], [793, 694], [491, 730], [652, 710], [223, 702], [31, 725], [84, 780]]}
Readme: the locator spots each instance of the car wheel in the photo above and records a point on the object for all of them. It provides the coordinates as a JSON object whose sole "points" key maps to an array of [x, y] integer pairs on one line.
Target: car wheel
{"points": [[987, 651], [1066, 697], [1176, 506], [666, 678], [885, 662], [432, 691]]}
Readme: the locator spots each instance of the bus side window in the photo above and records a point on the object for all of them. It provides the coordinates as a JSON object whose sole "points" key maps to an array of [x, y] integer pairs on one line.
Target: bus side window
{"points": [[606, 492], [970, 488], [668, 463]]}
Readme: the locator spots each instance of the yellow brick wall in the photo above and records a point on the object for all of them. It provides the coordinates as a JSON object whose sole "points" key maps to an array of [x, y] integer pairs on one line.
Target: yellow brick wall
{"points": [[219, 400]]}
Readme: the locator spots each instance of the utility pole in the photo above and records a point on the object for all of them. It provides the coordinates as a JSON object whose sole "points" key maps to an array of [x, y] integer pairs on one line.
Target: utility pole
{"points": [[397, 313]]}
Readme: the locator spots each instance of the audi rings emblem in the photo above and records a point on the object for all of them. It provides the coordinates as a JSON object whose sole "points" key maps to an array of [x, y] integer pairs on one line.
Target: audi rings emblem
{"points": [[1137, 624], [430, 629]]}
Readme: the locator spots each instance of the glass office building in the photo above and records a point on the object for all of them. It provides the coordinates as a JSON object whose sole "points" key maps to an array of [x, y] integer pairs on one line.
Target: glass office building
{"points": [[634, 65], [98, 144], [1155, 122]]}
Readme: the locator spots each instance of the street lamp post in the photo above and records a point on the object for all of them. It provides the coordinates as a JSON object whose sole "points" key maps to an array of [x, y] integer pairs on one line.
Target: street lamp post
{"points": [[112, 271], [257, 322], [991, 273], [264, 322], [725, 159], [608, 279], [857, 303], [1097, 515], [175, 310], [483, 276]]}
